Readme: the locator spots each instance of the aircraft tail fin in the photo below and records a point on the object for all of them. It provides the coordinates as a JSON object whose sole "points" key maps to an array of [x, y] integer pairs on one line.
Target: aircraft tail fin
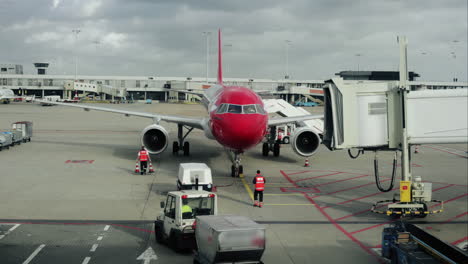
{"points": [[220, 61]]}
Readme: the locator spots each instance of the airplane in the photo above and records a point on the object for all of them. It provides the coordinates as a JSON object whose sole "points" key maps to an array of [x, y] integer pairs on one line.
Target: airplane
{"points": [[6, 95], [237, 120]]}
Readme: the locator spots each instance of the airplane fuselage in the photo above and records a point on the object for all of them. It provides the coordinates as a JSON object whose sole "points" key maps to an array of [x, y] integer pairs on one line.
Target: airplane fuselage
{"points": [[238, 120]]}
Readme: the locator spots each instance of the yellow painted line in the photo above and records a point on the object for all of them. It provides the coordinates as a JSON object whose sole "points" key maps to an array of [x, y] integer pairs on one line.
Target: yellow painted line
{"points": [[291, 204], [247, 187]]}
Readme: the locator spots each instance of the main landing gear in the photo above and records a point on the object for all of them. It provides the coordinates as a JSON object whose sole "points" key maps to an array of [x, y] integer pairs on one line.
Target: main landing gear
{"points": [[236, 168], [273, 147], [181, 144]]}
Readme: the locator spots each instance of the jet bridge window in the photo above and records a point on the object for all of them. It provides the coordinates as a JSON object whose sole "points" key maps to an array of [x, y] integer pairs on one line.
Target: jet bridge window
{"points": [[249, 109], [235, 109], [222, 108]]}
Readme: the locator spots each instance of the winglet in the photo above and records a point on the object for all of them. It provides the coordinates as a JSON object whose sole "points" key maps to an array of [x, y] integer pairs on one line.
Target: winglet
{"points": [[220, 62]]}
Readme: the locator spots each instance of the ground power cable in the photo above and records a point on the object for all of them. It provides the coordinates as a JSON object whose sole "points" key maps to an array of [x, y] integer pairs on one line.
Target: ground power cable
{"points": [[377, 176]]}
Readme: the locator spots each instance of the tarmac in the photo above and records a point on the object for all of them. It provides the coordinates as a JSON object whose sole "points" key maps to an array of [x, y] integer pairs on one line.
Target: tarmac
{"points": [[71, 196]]}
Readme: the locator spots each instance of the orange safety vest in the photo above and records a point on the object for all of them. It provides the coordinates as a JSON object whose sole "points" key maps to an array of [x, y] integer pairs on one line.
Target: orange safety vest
{"points": [[143, 155], [259, 183]]}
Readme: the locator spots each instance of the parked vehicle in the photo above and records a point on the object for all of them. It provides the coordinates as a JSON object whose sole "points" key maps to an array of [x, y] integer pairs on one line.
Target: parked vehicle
{"points": [[228, 239], [175, 225], [17, 136], [306, 104], [194, 176]]}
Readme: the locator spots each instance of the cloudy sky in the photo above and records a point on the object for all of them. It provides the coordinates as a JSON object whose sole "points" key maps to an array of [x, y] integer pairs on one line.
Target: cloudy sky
{"points": [[165, 38]]}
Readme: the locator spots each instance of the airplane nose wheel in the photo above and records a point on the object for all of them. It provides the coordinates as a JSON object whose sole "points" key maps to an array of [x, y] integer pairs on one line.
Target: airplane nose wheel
{"points": [[236, 168]]}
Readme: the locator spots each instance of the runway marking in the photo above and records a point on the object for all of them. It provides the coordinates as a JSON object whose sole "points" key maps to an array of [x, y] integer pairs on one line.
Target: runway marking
{"points": [[247, 187], [99, 238], [86, 260], [106, 227], [283, 194], [309, 204], [320, 176], [94, 247], [9, 231], [34, 254]]}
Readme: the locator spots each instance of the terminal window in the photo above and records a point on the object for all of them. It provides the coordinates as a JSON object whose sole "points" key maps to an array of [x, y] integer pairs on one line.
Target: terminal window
{"points": [[4, 69]]}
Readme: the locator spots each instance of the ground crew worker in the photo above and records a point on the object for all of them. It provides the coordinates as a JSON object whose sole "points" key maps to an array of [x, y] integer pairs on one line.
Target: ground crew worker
{"points": [[186, 208], [143, 157], [259, 182]]}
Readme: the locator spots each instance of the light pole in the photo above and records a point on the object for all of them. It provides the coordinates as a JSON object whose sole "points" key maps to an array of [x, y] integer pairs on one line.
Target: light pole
{"points": [[358, 55], [454, 56], [288, 43], [76, 32], [207, 34]]}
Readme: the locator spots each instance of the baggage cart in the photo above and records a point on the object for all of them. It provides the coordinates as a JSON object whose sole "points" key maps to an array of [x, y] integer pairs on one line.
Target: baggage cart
{"points": [[228, 239], [194, 176], [6, 139], [26, 129]]}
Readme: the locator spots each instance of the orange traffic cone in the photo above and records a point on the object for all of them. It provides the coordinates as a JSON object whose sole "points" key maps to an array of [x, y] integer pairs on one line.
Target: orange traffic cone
{"points": [[306, 164], [137, 168], [151, 170]]}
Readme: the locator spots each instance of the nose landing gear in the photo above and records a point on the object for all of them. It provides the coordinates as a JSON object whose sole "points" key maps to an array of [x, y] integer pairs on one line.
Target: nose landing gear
{"points": [[236, 168]]}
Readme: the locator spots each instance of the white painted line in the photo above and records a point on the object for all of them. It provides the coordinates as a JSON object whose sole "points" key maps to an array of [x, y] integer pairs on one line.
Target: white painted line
{"points": [[9, 231], [34, 254], [106, 227], [93, 248], [99, 238], [86, 260]]}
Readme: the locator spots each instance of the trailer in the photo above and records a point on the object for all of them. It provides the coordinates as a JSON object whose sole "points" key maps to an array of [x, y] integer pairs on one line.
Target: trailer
{"points": [[6, 139], [26, 129], [408, 243], [17, 136], [194, 176], [228, 239]]}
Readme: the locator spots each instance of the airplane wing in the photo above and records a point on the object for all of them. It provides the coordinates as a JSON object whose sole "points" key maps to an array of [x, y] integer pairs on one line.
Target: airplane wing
{"points": [[274, 121], [189, 121]]}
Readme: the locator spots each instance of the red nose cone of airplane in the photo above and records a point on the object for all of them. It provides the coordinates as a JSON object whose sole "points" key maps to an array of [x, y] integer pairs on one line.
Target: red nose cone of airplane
{"points": [[239, 132]]}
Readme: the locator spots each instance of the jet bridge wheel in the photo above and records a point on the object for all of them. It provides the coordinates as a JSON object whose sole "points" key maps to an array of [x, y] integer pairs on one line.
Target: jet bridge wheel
{"points": [[186, 148], [265, 149], [175, 147], [276, 149]]}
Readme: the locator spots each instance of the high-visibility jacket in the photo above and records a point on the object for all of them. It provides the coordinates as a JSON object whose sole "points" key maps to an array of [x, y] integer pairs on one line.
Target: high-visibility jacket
{"points": [[186, 209], [143, 155], [259, 182]]}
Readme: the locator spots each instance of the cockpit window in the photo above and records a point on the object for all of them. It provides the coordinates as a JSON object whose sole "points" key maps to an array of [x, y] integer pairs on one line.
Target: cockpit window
{"points": [[260, 109], [235, 109], [222, 109], [249, 109]]}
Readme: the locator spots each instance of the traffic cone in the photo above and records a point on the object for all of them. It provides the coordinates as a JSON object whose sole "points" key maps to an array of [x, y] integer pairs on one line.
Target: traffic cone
{"points": [[306, 164], [261, 204], [151, 170], [416, 151], [256, 203], [137, 168]]}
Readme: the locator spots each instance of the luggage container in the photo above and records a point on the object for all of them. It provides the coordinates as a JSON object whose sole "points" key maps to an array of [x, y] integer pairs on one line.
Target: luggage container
{"points": [[6, 139], [228, 239], [17, 136], [194, 176], [25, 127]]}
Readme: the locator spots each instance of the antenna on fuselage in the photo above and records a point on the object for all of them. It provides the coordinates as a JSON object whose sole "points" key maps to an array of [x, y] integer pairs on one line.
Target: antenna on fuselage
{"points": [[220, 61]]}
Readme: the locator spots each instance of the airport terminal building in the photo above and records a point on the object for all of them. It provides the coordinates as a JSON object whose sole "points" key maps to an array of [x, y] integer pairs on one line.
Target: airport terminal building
{"points": [[166, 89]]}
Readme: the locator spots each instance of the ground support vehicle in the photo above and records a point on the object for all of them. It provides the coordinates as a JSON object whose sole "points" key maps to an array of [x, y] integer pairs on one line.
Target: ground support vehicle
{"points": [[194, 176], [6, 139], [229, 239], [176, 226], [26, 129], [407, 243]]}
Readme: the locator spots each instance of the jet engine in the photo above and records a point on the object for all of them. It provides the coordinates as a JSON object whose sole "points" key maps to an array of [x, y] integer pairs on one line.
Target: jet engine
{"points": [[305, 141], [154, 138]]}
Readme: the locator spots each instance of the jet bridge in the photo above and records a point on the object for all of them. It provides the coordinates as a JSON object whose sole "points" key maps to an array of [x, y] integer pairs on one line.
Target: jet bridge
{"points": [[387, 116]]}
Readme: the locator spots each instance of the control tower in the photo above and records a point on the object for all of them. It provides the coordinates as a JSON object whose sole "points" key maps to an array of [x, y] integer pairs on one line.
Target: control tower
{"points": [[41, 67]]}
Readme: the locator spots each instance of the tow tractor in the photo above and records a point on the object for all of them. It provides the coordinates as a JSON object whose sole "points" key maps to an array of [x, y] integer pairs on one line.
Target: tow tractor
{"points": [[177, 228], [408, 243]]}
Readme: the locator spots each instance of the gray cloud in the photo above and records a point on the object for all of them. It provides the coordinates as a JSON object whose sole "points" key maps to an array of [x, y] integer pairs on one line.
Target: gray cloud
{"points": [[164, 38]]}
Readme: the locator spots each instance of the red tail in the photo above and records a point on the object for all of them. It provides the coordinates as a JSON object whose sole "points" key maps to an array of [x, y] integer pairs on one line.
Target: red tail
{"points": [[220, 61]]}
